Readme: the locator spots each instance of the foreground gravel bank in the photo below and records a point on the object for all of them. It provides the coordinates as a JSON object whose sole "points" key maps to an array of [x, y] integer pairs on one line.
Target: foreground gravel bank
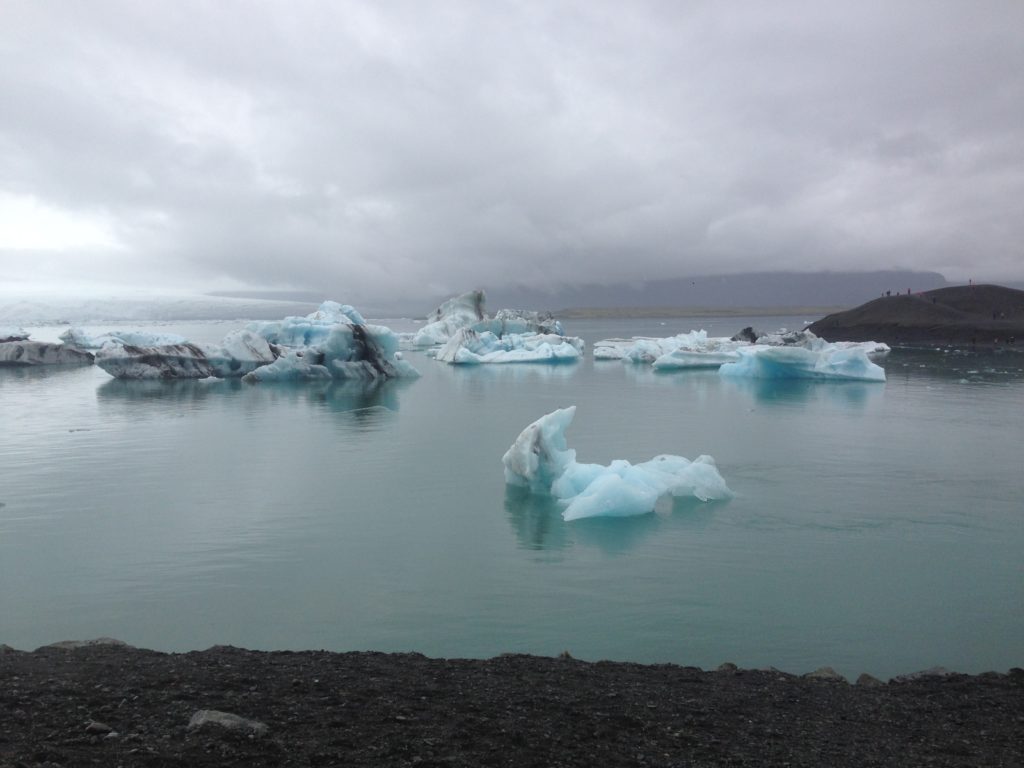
{"points": [[113, 705]]}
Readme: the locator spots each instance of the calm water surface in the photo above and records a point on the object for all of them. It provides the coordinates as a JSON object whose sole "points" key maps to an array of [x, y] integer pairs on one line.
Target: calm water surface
{"points": [[875, 527]]}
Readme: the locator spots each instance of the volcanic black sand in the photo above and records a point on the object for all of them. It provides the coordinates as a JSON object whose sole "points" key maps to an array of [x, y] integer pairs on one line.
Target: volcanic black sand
{"points": [[112, 705], [966, 315]]}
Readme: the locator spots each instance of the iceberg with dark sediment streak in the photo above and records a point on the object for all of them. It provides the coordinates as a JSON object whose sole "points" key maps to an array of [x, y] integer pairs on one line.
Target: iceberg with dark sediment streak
{"points": [[7, 333], [24, 352], [540, 461], [334, 342], [466, 311]]}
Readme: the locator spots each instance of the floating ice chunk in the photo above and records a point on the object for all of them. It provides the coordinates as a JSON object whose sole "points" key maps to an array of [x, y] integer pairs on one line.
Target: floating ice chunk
{"points": [[541, 461], [468, 347], [683, 358], [647, 350], [41, 353], [173, 361], [333, 342], [454, 314], [7, 333], [77, 337], [828, 363], [467, 312]]}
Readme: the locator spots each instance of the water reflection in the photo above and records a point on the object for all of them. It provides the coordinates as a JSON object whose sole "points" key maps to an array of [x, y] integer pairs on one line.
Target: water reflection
{"points": [[536, 520], [849, 394], [538, 525], [334, 396]]}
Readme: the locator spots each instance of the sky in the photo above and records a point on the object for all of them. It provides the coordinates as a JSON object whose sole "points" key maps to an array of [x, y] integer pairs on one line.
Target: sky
{"points": [[383, 150]]}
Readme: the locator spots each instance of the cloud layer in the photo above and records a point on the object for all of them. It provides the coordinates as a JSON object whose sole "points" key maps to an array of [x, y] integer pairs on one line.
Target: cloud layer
{"points": [[394, 149]]}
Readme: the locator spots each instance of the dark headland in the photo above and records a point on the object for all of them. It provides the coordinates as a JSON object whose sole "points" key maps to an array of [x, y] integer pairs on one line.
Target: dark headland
{"points": [[105, 704], [961, 316]]}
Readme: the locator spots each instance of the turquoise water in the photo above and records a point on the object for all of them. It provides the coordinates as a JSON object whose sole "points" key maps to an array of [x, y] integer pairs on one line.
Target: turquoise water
{"points": [[875, 528]]}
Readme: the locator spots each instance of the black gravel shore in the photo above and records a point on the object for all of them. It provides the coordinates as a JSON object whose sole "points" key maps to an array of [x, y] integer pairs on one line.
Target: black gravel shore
{"points": [[112, 705]]}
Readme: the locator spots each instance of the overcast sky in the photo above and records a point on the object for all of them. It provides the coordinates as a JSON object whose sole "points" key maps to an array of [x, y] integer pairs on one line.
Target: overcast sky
{"points": [[368, 149]]}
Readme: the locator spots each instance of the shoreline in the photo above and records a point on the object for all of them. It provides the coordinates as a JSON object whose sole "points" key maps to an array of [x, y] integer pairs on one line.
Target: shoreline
{"points": [[108, 703]]}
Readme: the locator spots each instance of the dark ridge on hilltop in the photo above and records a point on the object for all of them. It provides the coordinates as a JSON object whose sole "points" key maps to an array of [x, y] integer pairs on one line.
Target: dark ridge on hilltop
{"points": [[965, 315], [78, 704]]}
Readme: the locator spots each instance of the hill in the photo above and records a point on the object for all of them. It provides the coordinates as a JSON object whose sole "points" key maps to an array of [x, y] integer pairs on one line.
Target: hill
{"points": [[965, 315]]}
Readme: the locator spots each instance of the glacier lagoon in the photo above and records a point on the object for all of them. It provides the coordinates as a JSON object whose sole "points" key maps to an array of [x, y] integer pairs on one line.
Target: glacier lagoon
{"points": [[874, 527]]}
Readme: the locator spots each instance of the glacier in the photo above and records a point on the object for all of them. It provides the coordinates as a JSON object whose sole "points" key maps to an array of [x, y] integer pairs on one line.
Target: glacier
{"points": [[470, 347], [332, 342], [24, 352], [540, 461], [466, 311]]}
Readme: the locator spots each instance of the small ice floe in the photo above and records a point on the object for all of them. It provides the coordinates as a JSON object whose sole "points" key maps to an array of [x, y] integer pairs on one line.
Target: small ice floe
{"points": [[540, 461]]}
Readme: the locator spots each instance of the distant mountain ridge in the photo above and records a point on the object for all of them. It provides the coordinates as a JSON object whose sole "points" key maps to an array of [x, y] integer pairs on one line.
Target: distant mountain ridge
{"points": [[762, 289]]}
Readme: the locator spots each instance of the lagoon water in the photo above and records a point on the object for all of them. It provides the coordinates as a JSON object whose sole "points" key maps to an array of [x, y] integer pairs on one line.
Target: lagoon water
{"points": [[875, 528]]}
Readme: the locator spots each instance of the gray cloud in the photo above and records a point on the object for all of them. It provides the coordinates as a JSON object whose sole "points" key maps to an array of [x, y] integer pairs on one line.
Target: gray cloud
{"points": [[403, 148]]}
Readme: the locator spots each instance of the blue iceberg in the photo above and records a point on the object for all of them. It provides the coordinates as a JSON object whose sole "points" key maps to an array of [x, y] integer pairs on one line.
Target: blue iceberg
{"points": [[540, 461]]}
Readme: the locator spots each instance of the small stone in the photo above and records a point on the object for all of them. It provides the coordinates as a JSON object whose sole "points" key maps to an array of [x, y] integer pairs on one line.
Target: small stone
{"points": [[825, 673], [212, 717], [97, 727], [869, 681], [727, 666], [72, 645], [930, 672]]}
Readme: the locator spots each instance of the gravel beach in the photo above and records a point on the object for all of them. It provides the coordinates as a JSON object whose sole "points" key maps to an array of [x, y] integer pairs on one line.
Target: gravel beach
{"points": [[103, 703]]}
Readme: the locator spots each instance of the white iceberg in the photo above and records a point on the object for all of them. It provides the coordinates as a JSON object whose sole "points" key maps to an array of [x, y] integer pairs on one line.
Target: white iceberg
{"points": [[347, 351], [41, 353], [454, 314], [540, 461], [333, 342], [9, 333], [695, 348], [470, 347], [78, 337], [829, 362], [467, 311], [239, 353]]}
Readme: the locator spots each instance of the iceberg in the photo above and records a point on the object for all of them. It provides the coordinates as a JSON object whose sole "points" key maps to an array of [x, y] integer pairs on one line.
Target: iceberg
{"points": [[77, 337], [239, 353], [7, 333], [22, 352], [830, 362], [700, 350], [696, 349], [333, 342], [467, 311], [470, 347], [540, 461], [454, 314]]}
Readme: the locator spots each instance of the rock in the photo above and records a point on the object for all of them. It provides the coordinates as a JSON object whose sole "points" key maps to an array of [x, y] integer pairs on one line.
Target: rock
{"points": [[930, 672], [869, 681], [747, 334], [71, 645], [4, 648], [825, 673], [97, 728], [211, 717], [727, 666]]}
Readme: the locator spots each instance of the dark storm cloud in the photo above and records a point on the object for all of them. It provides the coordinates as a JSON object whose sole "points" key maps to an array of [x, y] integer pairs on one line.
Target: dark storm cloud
{"points": [[368, 148]]}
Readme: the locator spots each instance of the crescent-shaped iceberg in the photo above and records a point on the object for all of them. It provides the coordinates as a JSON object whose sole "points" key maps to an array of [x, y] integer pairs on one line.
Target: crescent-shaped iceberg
{"points": [[541, 461]]}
